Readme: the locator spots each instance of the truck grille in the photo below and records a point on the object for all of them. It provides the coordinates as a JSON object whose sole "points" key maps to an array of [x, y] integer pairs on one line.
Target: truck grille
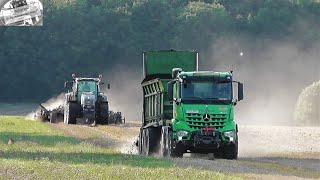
{"points": [[196, 121]]}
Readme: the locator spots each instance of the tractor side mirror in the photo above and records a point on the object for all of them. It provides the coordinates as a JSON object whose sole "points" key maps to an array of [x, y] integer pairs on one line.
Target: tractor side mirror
{"points": [[240, 91], [104, 86], [170, 90], [67, 84]]}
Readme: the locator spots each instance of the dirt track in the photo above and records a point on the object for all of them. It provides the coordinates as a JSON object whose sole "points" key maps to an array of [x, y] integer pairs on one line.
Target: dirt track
{"points": [[264, 152]]}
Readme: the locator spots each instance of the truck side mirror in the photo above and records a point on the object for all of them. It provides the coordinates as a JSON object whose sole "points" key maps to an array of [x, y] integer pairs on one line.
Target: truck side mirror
{"points": [[170, 90], [175, 72], [240, 91], [108, 86]]}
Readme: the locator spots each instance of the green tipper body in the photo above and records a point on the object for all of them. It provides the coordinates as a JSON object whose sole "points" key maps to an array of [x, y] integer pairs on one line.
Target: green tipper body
{"points": [[162, 62], [157, 73]]}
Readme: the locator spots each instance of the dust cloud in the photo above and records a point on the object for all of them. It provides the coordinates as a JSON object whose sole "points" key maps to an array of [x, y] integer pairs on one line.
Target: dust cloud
{"points": [[273, 73], [31, 116], [129, 147], [125, 94], [50, 104], [54, 102], [266, 141]]}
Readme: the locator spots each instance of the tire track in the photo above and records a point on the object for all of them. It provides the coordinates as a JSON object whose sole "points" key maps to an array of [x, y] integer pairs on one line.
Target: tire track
{"points": [[268, 160]]}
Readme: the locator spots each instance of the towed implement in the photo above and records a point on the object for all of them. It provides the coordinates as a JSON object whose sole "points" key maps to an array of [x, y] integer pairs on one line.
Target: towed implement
{"points": [[52, 116], [85, 103]]}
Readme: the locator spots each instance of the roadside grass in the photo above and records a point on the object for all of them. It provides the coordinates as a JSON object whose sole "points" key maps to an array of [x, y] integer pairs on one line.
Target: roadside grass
{"points": [[93, 135], [41, 152]]}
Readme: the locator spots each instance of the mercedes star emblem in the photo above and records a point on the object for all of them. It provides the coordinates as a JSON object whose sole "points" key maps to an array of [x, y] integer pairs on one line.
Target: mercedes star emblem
{"points": [[206, 117]]}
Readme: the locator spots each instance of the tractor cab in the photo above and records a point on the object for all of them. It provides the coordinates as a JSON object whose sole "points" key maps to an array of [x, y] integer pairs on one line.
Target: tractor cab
{"points": [[86, 87]]}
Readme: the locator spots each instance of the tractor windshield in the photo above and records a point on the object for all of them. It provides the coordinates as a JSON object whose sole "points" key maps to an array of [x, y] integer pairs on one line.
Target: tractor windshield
{"points": [[87, 86]]}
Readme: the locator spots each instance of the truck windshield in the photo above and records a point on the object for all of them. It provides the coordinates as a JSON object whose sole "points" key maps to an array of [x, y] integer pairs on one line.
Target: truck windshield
{"points": [[87, 86], [216, 91]]}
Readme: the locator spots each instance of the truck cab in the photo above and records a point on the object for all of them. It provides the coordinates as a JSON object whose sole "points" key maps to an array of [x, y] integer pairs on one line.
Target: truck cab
{"points": [[203, 120]]}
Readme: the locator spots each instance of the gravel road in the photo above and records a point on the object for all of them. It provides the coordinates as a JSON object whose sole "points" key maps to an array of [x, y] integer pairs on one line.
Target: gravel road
{"points": [[266, 152]]}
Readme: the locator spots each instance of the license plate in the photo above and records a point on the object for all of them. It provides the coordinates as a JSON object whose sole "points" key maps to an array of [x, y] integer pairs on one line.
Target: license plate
{"points": [[207, 133]]}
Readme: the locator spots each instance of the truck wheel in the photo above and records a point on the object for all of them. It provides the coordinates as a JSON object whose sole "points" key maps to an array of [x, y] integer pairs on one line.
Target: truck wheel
{"points": [[104, 114], [53, 117], [219, 153], [145, 142], [70, 113], [150, 141], [153, 140], [140, 142], [231, 151], [177, 152], [163, 142]]}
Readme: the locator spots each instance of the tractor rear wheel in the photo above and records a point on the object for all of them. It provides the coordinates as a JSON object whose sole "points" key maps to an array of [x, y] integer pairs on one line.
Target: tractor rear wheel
{"points": [[70, 116], [103, 117]]}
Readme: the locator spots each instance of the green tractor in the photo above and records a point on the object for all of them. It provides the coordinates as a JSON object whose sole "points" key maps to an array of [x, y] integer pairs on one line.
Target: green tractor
{"points": [[84, 104], [86, 101]]}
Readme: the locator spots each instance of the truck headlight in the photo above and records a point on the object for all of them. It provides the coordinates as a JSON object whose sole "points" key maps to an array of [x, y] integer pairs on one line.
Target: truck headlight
{"points": [[181, 133], [230, 134]]}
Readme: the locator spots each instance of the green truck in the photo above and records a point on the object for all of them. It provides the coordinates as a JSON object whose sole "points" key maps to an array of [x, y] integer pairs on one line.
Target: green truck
{"points": [[186, 110]]}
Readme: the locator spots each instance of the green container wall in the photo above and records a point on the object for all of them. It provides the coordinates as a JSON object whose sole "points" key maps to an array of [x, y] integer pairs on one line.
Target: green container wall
{"points": [[162, 62]]}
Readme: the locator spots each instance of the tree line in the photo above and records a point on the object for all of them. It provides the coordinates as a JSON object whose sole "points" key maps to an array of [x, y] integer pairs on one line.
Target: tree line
{"points": [[88, 37]]}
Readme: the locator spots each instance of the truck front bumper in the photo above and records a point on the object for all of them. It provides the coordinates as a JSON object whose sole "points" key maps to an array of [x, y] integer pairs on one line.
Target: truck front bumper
{"points": [[210, 140], [201, 142]]}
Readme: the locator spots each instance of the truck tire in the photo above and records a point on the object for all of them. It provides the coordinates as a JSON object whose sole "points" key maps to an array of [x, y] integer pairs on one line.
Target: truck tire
{"points": [[153, 140], [140, 142], [178, 151], [104, 114], [163, 142], [150, 141], [145, 142], [219, 153], [53, 117], [231, 151], [70, 113]]}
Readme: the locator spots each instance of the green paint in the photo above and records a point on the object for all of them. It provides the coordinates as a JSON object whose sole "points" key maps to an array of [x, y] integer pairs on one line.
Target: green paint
{"points": [[162, 62]]}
